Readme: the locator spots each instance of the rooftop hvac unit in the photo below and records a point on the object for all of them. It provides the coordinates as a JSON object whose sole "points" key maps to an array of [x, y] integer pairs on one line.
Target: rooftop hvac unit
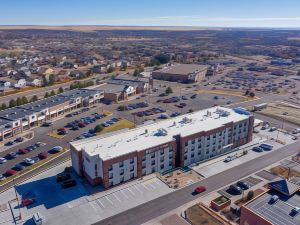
{"points": [[162, 132]]}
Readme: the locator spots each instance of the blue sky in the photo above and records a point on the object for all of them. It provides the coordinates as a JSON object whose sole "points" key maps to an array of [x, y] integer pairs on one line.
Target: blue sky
{"points": [[210, 13]]}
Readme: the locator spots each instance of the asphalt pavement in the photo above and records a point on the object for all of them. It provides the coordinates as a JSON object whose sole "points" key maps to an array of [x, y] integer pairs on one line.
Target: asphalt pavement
{"points": [[164, 204]]}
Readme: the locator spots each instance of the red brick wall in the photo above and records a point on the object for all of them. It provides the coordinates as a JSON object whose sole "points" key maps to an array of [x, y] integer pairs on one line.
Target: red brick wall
{"points": [[250, 218]]}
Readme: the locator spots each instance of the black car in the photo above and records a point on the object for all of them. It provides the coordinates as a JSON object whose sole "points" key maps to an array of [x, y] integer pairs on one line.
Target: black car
{"points": [[63, 177], [68, 183], [243, 185], [10, 143], [19, 139], [234, 189], [18, 167]]}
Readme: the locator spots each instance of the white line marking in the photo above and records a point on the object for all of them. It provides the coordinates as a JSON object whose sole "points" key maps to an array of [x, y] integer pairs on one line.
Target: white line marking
{"points": [[124, 194], [101, 203], [109, 200], [156, 181], [131, 191], [145, 187], [117, 197], [152, 185], [138, 189]]}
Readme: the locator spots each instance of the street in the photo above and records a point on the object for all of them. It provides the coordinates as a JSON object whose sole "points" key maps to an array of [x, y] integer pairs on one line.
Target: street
{"points": [[164, 204]]}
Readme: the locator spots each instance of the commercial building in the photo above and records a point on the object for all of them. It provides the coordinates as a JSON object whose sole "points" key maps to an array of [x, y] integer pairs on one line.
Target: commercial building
{"points": [[184, 73], [17, 119], [159, 147], [279, 206], [118, 89]]}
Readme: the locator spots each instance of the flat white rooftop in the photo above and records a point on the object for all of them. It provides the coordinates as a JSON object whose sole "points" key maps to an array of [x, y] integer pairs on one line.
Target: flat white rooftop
{"points": [[147, 136]]}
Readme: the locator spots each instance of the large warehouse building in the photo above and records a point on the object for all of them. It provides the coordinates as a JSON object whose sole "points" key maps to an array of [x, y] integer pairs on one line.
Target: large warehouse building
{"points": [[184, 73], [115, 158]]}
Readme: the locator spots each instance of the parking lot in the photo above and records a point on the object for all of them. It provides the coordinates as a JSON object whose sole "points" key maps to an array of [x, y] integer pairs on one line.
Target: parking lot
{"points": [[251, 181], [77, 205]]}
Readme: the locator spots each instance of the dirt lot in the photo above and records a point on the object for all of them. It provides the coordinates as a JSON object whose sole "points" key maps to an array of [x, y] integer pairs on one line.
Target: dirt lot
{"points": [[198, 216], [276, 110], [178, 179], [283, 172]]}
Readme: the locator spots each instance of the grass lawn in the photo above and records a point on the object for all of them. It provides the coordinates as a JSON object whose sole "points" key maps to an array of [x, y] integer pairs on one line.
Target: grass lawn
{"points": [[121, 124], [32, 167], [228, 93], [197, 215], [54, 134]]}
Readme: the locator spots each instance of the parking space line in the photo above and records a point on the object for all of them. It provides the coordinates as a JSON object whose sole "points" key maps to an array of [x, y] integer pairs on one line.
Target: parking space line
{"points": [[116, 197], [124, 194], [152, 185], [138, 189], [145, 187], [101, 203], [109, 200], [131, 191], [157, 182]]}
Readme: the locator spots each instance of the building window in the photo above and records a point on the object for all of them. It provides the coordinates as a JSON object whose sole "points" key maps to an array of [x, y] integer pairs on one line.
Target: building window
{"points": [[144, 165], [143, 172], [153, 169], [131, 175], [110, 168], [152, 162], [110, 184], [110, 176], [87, 159], [131, 161], [131, 168], [193, 142], [186, 144], [122, 172], [121, 179], [161, 159], [192, 155], [121, 164], [96, 173], [143, 158], [171, 163], [185, 157], [162, 152], [162, 166], [153, 155]]}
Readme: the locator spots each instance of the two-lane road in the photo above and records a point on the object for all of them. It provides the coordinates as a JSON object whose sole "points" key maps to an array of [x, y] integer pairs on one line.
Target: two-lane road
{"points": [[164, 204]]}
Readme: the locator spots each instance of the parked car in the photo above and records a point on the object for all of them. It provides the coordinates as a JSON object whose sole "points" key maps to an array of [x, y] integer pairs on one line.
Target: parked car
{"points": [[194, 96], [39, 144], [234, 189], [257, 149], [10, 143], [68, 184], [175, 114], [31, 147], [18, 167], [295, 211], [243, 185], [12, 155], [10, 172], [56, 149], [2, 160], [296, 131], [28, 161], [2, 177], [26, 202], [62, 131], [43, 155], [200, 189], [63, 177], [23, 151], [266, 147], [47, 124], [19, 139], [272, 129]]}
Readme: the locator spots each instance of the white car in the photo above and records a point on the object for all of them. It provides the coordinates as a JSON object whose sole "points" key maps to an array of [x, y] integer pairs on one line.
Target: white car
{"points": [[2, 160], [57, 149], [296, 131], [2, 177], [29, 161]]}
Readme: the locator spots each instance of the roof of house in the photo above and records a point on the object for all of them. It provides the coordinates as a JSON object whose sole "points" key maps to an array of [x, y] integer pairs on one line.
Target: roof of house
{"points": [[155, 134], [284, 186], [183, 69]]}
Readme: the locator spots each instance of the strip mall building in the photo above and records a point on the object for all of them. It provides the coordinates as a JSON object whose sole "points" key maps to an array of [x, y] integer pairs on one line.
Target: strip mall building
{"points": [[159, 147]]}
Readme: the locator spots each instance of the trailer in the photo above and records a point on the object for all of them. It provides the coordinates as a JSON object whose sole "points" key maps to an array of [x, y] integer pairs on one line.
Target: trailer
{"points": [[260, 107]]}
